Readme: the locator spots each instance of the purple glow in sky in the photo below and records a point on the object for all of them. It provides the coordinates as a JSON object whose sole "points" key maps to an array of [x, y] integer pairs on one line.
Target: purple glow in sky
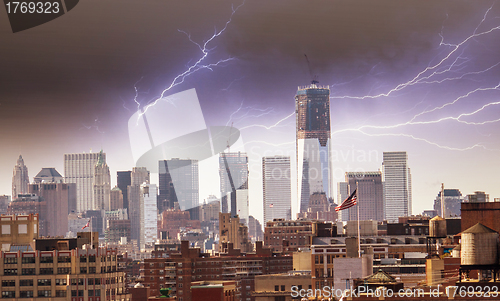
{"points": [[419, 76]]}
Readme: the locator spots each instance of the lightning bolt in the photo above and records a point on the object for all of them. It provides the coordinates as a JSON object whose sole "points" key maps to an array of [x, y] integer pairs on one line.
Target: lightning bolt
{"points": [[445, 70], [94, 126], [197, 65]]}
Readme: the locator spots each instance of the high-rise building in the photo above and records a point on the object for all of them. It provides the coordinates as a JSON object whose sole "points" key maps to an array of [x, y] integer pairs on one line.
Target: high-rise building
{"points": [[452, 203], [312, 108], [20, 179], [55, 196], [138, 176], [179, 182], [123, 180], [148, 215], [342, 194], [276, 188], [80, 169], [397, 185], [102, 184], [4, 203], [233, 172], [48, 175], [370, 193], [116, 199]]}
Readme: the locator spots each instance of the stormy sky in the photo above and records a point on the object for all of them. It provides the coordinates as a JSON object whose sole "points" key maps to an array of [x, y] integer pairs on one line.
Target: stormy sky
{"points": [[418, 76]]}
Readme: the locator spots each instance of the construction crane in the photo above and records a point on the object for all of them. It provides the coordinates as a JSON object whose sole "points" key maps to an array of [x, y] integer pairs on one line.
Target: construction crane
{"points": [[314, 80]]}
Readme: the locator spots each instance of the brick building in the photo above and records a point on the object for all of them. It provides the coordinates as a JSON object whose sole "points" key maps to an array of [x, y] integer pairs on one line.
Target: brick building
{"points": [[178, 270]]}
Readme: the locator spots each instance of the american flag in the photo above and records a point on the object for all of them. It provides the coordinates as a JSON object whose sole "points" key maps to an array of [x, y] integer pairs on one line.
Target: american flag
{"points": [[349, 202], [87, 225]]}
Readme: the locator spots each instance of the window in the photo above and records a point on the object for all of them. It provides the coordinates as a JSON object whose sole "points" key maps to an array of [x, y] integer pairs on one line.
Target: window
{"points": [[97, 293], [61, 281], [46, 271], [44, 282], [22, 229], [92, 258], [276, 288], [97, 281], [61, 259], [8, 294], [83, 270], [90, 281], [282, 288], [47, 259], [91, 293], [60, 293], [83, 259], [44, 293], [80, 293], [73, 293], [28, 271], [9, 283], [26, 294], [92, 270], [26, 282], [10, 260], [28, 260], [63, 271], [10, 271], [5, 230]]}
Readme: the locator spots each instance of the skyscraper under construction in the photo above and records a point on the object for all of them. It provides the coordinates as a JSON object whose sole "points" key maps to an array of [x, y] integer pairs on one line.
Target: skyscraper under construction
{"points": [[312, 109]]}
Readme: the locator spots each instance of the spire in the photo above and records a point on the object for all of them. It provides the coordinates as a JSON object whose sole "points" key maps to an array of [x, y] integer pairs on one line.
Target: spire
{"points": [[100, 159], [20, 161]]}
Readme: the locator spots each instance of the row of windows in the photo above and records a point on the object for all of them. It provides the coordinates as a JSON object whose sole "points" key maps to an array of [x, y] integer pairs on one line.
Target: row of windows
{"points": [[60, 259], [60, 271], [29, 294]]}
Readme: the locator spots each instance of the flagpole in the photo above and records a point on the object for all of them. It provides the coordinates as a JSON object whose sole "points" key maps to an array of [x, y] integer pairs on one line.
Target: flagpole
{"points": [[91, 235], [359, 230]]}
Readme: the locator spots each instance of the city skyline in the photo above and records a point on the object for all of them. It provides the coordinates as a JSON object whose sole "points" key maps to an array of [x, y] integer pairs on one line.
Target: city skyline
{"points": [[415, 77]]}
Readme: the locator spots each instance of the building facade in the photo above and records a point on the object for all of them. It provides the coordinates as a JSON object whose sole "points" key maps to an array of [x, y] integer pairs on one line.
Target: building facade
{"points": [[148, 216], [277, 190], [123, 180], [312, 108], [20, 178], [138, 176], [80, 169], [370, 193], [101, 184], [233, 173], [397, 185], [179, 183], [452, 203], [56, 198]]}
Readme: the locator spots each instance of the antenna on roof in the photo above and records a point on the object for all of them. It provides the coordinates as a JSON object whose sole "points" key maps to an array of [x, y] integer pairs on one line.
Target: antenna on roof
{"points": [[314, 80]]}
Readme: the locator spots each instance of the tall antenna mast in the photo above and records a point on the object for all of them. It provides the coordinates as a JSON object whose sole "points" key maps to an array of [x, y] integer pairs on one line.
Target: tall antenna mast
{"points": [[314, 80], [442, 201]]}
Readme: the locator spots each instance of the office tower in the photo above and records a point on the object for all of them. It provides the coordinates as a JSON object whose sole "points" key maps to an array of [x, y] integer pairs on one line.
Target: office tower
{"points": [[102, 184], [115, 199], [276, 188], [342, 194], [478, 197], [232, 231], [370, 194], [233, 172], [26, 204], [138, 176], [4, 203], [148, 215], [56, 197], [397, 185], [20, 179], [452, 203], [80, 169], [48, 175], [123, 180], [179, 182], [312, 108]]}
